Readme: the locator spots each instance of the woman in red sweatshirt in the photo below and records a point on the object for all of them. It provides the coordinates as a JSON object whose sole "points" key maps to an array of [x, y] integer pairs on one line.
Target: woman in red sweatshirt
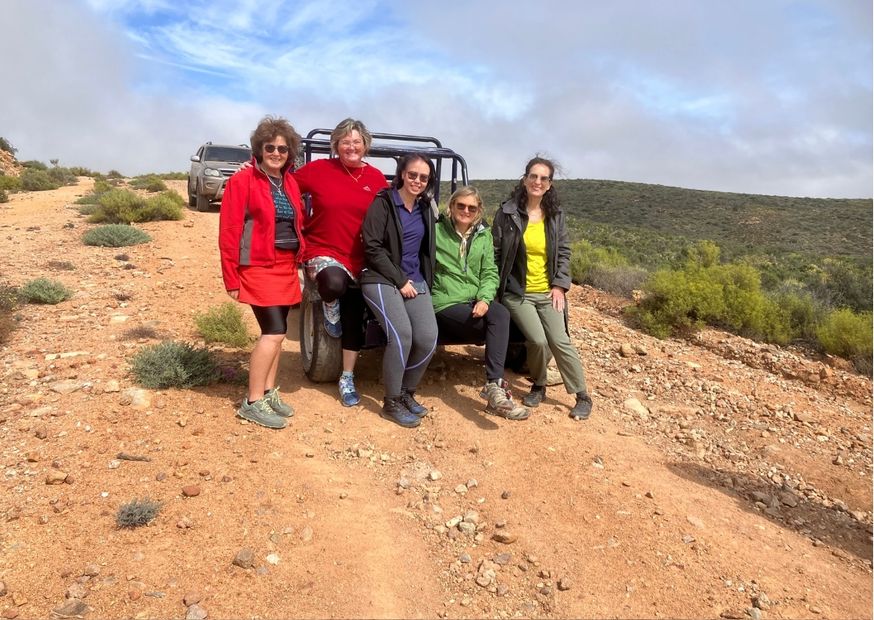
{"points": [[260, 241]]}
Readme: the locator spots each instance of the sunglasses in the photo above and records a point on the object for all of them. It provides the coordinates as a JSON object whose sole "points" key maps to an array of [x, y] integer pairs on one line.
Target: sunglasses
{"points": [[464, 207], [534, 178], [273, 147], [414, 176]]}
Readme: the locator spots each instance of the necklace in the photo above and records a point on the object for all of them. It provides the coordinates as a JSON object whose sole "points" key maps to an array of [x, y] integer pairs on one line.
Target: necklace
{"points": [[277, 184], [352, 176]]}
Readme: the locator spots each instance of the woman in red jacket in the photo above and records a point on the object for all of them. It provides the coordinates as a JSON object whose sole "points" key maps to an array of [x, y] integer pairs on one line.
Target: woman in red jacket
{"points": [[260, 241]]}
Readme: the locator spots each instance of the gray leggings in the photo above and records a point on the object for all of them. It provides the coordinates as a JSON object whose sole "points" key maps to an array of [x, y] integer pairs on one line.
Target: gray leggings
{"points": [[409, 348]]}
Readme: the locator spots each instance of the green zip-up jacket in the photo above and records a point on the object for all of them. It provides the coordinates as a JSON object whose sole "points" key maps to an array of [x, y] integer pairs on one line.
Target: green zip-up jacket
{"points": [[461, 280]]}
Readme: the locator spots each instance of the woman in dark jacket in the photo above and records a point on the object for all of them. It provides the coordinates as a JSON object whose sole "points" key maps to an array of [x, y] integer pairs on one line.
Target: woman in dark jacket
{"points": [[398, 235], [533, 255], [260, 242]]}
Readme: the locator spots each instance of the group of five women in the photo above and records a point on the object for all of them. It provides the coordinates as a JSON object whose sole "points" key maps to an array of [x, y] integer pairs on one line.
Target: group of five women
{"points": [[420, 272]]}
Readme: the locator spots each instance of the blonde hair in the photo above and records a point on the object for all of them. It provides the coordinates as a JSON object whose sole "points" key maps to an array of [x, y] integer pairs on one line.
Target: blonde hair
{"points": [[461, 192], [347, 126]]}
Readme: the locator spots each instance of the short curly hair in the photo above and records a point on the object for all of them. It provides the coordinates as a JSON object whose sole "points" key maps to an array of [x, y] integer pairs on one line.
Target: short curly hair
{"points": [[347, 126], [269, 128]]}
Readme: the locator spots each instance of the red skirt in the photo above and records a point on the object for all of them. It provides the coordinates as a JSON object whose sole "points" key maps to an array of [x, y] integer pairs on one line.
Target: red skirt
{"points": [[271, 285]]}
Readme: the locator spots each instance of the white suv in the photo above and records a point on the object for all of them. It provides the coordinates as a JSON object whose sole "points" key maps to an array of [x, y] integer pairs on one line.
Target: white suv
{"points": [[211, 167]]}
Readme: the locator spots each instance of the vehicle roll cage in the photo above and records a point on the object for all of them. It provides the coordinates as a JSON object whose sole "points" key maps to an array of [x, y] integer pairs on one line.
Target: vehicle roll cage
{"points": [[394, 146]]}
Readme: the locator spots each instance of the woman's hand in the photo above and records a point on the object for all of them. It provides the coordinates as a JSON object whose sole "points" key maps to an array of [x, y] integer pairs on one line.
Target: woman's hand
{"points": [[557, 295], [408, 291], [235, 294], [479, 309]]}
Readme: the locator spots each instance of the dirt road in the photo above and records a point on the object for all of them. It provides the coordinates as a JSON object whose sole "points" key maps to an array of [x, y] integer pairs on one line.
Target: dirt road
{"points": [[715, 478]]}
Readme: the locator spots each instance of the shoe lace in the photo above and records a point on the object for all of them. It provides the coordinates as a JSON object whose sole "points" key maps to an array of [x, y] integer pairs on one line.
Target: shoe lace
{"points": [[347, 385]]}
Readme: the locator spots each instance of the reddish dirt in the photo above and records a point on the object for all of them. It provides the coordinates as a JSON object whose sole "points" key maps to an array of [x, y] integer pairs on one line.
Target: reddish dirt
{"points": [[741, 476]]}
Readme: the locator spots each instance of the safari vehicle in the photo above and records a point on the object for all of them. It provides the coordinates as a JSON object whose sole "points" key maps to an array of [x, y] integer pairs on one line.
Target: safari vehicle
{"points": [[211, 167], [320, 353]]}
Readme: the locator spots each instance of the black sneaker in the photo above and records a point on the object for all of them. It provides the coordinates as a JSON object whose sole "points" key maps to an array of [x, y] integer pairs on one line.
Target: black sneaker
{"points": [[412, 405], [395, 410], [583, 409], [535, 396]]}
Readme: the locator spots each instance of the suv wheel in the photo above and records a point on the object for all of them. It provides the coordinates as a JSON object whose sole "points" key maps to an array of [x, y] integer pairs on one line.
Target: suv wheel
{"points": [[192, 200], [202, 201]]}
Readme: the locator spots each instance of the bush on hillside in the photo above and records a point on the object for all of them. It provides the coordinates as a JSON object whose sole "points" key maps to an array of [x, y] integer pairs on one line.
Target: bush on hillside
{"points": [[114, 174], [93, 197], [165, 206], [32, 164], [223, 324], [12, 184], [44, 291], [4, 197], [81, 171], [849, 335], [122, 206], [35, 180], [174, 364], [9, 301], [149, 183], [115, 236], [620, 280], [5, 145], [62, 175]]}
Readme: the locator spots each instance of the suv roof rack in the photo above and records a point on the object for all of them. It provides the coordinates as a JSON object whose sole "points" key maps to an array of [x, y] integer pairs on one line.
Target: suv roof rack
{"points": [[393, 146]]}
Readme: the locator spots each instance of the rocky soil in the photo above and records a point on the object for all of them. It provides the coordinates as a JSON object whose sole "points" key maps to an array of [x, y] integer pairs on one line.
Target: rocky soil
{"points": [[717, 477]]}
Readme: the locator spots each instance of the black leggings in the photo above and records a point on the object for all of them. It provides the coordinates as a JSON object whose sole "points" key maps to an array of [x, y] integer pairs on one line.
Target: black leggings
{"points": [[273, 320], [456, 324], [334, 283]]}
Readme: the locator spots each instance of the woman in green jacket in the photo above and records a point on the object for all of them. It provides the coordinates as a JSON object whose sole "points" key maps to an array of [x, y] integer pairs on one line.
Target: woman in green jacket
{"points": [[463, 294]]}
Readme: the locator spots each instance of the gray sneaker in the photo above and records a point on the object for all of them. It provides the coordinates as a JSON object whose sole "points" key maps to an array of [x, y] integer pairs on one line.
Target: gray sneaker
{"points": [[260, 413], [501, 404], [279, 406]]}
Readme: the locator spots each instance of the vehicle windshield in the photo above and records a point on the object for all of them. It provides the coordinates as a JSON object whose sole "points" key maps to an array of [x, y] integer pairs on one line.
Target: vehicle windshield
{"points": [[227, 153]]}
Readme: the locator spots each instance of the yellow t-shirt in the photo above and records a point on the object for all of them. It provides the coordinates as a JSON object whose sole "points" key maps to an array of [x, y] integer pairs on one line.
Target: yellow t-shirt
{"points": [[537, 279]]}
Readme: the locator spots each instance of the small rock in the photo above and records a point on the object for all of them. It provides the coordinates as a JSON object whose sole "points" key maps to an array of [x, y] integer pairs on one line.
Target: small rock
{"points": [[191, 490], [306, 534], [464, 558], [273, 559], [55, 476], [76, 590], [504, 537], [626, 350], [505, 495], [754, 613], [10, 613], [245, 558], [435, 475], [461, 489], [733, 614], [91, 570], [696, 521], [3, 589], [802, 416], [472, 483], [761, 601], [502, 559], [564, 584], [72, 608], [788, 499], [467, 528], [196, 612], [634, 406], [134, 594], [191, 598]]}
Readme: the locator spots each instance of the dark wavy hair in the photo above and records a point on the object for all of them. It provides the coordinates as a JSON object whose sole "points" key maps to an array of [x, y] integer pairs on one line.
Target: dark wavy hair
{"points": [[550, 203], [398, 181], [271, 127]]}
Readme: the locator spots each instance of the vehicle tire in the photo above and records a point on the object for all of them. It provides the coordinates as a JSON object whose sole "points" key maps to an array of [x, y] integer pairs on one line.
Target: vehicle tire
{"points": [[320, 354], [192, 201], [202, 202]]}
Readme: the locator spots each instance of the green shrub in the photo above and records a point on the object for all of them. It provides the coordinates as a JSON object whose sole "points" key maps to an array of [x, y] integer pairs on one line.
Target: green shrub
{"points": [[32, 164], [223, 324], [80, 171], [12, 184], [35, 180], [174, 364], [5, 145], [9, 300], [137, 512], [620, 280], [585, 257], [60, 265], [172, 176], [4, 197], [803, 311], [117, 206], [44, 291], [115, 236], [165, 206], [721, 295], [93, 198], [848, 334], [140, 332], [88, 209], [114, 174], [149, 182], [62, 175]]}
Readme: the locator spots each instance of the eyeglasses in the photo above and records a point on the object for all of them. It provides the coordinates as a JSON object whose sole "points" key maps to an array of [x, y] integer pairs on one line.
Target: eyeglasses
{"points": [[536, 177], [348, 143], [276, 147], [464, 207], [421, 177]]}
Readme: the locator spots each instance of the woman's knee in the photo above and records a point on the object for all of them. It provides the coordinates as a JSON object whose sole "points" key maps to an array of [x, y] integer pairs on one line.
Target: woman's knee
{"points": [[498, 314], [332, 283]]}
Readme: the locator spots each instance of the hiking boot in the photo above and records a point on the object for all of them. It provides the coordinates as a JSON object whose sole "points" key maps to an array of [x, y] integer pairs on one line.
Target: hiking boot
{"points": [[535, 396], [501, 404], [260, 413], [394, 409], [279, 406], [349, 396], [332, 318], [412, 405], [583, 409]]}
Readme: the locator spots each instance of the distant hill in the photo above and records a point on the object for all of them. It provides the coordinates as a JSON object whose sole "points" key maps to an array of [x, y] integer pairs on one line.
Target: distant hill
{"points": [[742, 224]]}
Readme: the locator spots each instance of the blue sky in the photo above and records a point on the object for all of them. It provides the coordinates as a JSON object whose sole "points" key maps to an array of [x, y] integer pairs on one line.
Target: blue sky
{"points": [[768, 96]]}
